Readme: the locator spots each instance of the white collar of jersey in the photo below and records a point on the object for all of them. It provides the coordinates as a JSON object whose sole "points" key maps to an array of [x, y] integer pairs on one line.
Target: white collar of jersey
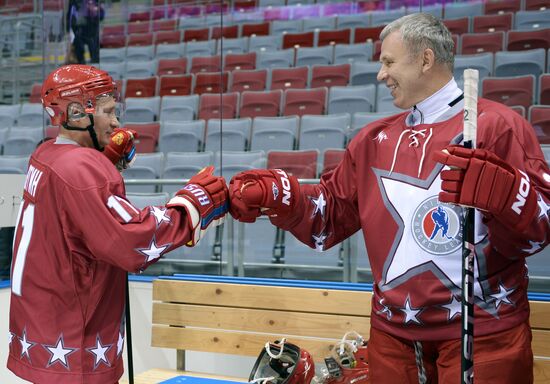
{"points": [[436, 107], [65, 140]]}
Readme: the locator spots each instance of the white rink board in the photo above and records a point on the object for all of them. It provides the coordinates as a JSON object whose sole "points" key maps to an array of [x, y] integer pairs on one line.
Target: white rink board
{"points": [[11, 192]]}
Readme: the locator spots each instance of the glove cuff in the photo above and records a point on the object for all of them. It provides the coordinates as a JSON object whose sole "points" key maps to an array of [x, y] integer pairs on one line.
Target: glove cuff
{"points": [[193, 215]]}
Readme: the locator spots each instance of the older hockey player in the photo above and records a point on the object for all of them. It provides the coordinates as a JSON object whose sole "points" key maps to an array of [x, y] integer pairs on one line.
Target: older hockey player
{"points": [[77, 235], [389, 185]]}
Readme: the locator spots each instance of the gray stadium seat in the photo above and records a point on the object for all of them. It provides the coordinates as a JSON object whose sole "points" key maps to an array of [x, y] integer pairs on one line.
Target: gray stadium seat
{"points": [[170, 51], [146, 166], [466, 9], [385, 17], [142, 200], [528, 20], [31, 115], [314, 55], [322, 132], [141, 68], [14, 164], [351, 99], [142, 109], [384, 100], [183, 165], [518, 63], [349, 53], [279, 27], [181, 136], [280, 58], [274, 133], [265, 43], [237, 161], [140, 53], [228, 134], [179, 108], [361, 119], [352, 21], [112, 55], [239, 45], [318, 23], [200, 48], [363, 72]]}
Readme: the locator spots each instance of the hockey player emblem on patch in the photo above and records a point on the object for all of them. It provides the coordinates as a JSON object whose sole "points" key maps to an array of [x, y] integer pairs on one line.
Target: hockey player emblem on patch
{"points": [[436, 227], [275, 191]]}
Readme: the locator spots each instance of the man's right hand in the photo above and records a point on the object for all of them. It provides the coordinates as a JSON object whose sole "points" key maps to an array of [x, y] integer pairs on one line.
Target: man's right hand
{"points": [[263, 191], [205, 198]]}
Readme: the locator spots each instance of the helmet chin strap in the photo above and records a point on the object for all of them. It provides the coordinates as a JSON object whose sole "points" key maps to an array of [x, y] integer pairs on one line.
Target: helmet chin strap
{"points": [[90, 129]]}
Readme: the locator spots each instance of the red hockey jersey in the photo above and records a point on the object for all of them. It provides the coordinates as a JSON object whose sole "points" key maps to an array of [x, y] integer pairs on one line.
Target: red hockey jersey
{"points": [[387, 186], [76, 237]]}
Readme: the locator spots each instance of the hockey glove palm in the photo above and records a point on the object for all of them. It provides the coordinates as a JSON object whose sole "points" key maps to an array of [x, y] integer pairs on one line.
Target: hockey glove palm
{"points": [[121, 150], [269, 191], [478, 178], [205, 199]]}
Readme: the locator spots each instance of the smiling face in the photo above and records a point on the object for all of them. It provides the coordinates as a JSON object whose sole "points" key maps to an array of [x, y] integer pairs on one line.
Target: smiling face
{"points": [[105, 120], [402, 72]]}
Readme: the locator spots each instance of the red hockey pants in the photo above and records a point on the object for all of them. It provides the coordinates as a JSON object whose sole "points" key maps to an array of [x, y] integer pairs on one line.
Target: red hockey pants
{"points": [[501, 358]]}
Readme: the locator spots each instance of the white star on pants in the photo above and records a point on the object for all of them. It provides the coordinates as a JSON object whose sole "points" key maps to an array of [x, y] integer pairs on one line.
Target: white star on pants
{"points": [[59, 353], [99, 352]]}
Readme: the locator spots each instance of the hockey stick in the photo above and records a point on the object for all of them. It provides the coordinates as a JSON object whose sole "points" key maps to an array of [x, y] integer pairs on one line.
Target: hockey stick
{"points": [[468, 234], [129, 335]]}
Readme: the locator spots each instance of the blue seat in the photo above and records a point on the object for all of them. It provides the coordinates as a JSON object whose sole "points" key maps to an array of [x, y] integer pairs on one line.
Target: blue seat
{"points": [[200, 48], [318, 23], [352, 21], [31, 115], [140, 53], [314, 55], [322, 132], [279, 27], [483, 62], [528, 20], [170, 51], [141, 69], [8, 115], [517, 63], [181, 136], [465, 9], [182, 166], [142, 109], [385, 17], [14, 164], [228, 134], [384, 100], [265, 43], [280, 58], [351, 99], [146, 166], [239, 45], [112, 55], [179, 108], [22, 141], [349, 53], [237, 161], [274, 133], [116, 70], [364, 72], [435, 10]]}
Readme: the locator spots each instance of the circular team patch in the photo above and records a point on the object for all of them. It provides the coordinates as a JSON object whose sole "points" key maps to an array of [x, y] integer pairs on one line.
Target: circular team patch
{"points": [[436, 227]]}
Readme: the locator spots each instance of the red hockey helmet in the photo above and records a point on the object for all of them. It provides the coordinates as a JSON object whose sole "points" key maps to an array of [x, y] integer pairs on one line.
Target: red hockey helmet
{"points": [[349, 362], [283, 363], [81, 84]]}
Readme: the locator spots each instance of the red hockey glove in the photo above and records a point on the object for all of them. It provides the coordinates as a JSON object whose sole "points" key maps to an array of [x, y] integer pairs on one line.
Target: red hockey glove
{"points": [[205, 199], [482, 180], [269, 191], [121, 150]]}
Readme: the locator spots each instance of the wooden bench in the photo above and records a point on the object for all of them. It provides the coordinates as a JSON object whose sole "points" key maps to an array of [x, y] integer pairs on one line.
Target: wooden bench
{"points": [[238, 315]]}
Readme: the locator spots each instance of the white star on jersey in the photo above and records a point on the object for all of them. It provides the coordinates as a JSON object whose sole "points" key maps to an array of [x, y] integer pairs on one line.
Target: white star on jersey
{"points": [[10, 337], [502, 295], [454, 308], [408, 255], [119, 344], [160, 215], [319, 241], [410, 313], [153, 252], [320, 204], [99, 353], [59, 353], [25, 345], [534, 247]]}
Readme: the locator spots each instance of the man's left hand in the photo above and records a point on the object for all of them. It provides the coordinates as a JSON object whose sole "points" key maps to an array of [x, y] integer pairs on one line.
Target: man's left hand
{"points": [[121, 150], [478, 178]]}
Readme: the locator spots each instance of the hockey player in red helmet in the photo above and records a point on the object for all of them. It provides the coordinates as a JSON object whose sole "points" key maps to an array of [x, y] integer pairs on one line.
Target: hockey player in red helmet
{"points": [[283, 363], [77, 236], [82, 98]]}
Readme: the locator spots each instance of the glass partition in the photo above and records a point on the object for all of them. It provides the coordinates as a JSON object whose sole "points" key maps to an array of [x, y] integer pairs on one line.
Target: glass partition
{"points": [[236, 84]]}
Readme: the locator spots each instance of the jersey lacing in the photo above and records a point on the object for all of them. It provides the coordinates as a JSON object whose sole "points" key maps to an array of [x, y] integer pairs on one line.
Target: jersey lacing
{"points": [[414, 143]]}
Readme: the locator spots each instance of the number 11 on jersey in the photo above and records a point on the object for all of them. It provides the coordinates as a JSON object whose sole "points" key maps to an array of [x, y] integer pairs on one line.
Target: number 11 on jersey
{"points": [[26, 222]]}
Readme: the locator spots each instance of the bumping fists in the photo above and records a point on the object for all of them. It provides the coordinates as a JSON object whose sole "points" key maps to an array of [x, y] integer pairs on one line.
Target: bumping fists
{"points": [[205, 198], [272, 192]]}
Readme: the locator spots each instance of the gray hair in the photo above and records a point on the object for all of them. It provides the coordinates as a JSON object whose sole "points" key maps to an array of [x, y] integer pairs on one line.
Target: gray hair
{"points": [[423, 30]]}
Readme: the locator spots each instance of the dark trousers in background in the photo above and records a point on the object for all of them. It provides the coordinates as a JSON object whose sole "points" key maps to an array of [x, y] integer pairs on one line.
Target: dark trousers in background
{"points": [[6, 242]]}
